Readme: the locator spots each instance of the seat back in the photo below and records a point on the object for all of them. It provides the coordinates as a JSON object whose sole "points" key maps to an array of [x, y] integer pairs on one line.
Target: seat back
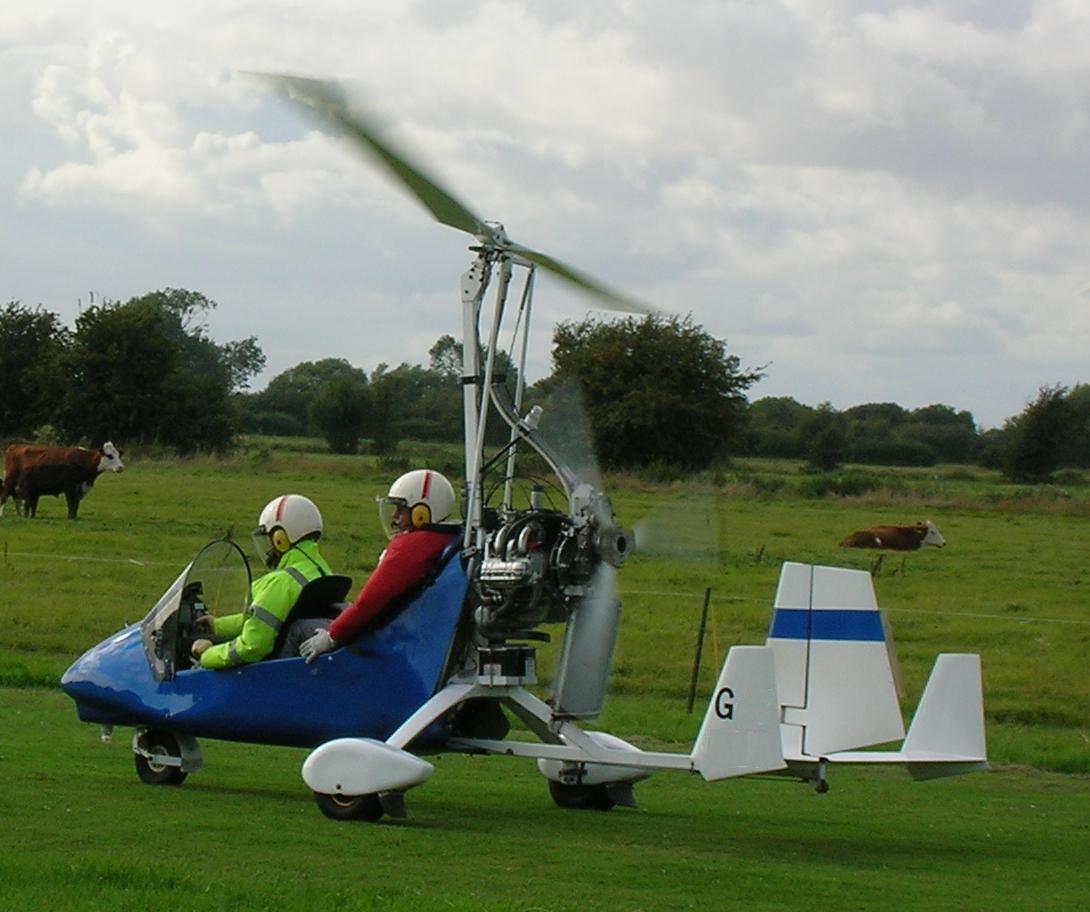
{"points": [[320, 598]]}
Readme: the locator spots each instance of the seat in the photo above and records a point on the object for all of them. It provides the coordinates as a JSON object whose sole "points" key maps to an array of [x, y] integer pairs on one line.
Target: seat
{"points": [[320, 598]]}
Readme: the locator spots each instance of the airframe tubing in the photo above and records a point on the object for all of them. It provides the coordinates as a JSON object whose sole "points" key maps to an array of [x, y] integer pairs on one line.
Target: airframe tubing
{"points": [[471, 391], [739, 735], [525, 308]]}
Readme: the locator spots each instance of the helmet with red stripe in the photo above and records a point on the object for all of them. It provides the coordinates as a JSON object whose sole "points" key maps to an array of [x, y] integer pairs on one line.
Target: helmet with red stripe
{"points": [[285, 521], [426, 495]]}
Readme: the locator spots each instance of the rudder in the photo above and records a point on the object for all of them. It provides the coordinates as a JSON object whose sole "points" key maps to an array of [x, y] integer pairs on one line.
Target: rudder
{"points": [[835, 673]]}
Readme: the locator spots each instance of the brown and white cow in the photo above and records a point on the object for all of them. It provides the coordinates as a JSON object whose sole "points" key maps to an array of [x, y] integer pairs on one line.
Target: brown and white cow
{"points": [[896, 538], [31, 470]]}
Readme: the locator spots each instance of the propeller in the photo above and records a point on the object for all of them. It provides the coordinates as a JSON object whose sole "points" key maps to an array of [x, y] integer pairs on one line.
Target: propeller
{"points": [[587, 654], [564, 423], [328, 102], [686, 527]]}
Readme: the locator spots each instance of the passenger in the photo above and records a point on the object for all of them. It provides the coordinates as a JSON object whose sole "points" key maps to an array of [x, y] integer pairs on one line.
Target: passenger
{"points": [[287, 536], [410, 514]]}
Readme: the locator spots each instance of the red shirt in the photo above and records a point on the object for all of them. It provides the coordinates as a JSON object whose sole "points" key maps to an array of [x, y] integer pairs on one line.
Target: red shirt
{"points": [[405, 562]]}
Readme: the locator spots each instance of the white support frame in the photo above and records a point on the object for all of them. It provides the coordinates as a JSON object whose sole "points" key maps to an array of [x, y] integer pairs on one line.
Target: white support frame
{"points": [[560, 739]]}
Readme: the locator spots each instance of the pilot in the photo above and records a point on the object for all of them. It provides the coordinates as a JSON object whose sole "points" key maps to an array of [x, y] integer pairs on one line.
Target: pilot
{"points": [[286, 536], [411, 514]]}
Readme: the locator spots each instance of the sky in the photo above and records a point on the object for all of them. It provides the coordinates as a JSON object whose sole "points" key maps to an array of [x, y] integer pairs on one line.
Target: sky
{"points": [[873, 201]]}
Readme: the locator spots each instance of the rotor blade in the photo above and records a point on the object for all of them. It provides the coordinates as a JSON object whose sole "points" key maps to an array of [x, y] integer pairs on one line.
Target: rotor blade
{"points": [[613, 300], [328, 102]]}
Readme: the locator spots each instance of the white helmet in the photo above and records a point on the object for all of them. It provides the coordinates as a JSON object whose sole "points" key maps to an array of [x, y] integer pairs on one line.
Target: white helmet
{"points": [[284, 522], [427, 495]]}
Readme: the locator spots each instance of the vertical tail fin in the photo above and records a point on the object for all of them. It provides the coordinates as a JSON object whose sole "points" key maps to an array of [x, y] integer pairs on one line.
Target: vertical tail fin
{"points": [[739, 734], [834, 669], [946, 736]]}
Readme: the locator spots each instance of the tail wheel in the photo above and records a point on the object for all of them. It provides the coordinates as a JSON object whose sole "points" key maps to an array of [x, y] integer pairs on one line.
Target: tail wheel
{"points": [[349, 807], [581, 797], [161, 744]]}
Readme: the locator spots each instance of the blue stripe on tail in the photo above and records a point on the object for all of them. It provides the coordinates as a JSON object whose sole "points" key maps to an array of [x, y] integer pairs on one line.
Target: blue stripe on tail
{"points": [[826, 624]]}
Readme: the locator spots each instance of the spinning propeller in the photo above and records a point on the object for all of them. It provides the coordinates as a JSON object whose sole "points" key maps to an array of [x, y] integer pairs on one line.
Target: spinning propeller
{"points": [[329, 103]]}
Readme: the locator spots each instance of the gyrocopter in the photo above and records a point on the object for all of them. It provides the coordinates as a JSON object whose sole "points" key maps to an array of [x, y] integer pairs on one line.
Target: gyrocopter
{"points": [[449, 667]]}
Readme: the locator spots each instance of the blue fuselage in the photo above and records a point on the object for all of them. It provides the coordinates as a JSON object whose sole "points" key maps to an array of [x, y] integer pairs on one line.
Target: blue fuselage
{"points": [[366, 689]]}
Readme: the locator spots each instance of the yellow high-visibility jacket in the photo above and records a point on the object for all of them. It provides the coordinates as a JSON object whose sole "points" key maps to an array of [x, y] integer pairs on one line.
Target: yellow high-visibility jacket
{"points": [[252, 633]]}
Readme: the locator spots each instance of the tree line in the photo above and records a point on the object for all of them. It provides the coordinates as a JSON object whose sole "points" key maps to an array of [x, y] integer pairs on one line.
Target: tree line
{"points": [[1051, 433], [142, 370], [656, 391]]}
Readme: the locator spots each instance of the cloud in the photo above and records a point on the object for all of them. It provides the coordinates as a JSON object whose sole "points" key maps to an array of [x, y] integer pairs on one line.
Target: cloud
{"points": [[863, 193]]}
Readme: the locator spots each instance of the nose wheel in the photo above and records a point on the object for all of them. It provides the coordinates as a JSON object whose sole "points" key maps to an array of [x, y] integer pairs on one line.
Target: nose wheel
{"points": [[164, 758], [157, 756]]}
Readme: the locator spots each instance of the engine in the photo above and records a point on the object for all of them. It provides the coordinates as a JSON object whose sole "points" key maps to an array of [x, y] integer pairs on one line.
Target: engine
{"points": [[538, 565]]}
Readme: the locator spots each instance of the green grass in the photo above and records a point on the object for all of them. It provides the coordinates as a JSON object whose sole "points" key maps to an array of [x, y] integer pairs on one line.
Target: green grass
{"points": [[82, 832]]}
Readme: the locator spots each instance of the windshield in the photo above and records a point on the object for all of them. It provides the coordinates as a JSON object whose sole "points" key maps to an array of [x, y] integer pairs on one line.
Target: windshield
{"points": [[216, 582]]}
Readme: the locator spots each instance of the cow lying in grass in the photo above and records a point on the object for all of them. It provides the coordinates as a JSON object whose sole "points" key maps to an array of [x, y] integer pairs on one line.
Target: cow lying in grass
{"points": [[31, 471], [896, 538]]}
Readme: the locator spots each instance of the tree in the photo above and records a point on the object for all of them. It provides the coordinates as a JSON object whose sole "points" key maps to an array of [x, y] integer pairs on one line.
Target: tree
{"points": [[342, 410], [243, 359], [291, 392], [32, 343], [1078, 446], [414, 401], [445, 357], [116, 365], [773, 426], [145, 370], [950, 434], [184, 313], [875, 417], [657, 389], [1036, 439], [880, 433], [872, 433], [824, 436]]}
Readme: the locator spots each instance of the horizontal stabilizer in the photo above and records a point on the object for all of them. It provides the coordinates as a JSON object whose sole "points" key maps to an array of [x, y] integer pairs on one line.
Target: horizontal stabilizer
{"points": [[946, 737], [740, 734]]}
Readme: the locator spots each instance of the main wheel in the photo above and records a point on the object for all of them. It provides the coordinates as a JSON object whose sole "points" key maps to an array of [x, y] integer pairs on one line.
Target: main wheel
{"points": [[581, 797], [349, 807], [162, 743]]}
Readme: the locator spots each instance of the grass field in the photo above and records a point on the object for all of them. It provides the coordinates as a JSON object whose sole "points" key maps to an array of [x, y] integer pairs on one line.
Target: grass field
{"points": [[81, 832], [243, 833]]}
